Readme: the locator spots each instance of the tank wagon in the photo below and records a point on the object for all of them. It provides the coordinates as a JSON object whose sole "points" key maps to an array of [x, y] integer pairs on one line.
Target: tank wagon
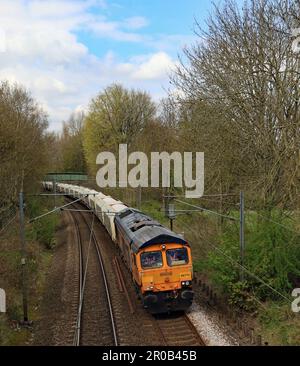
{"points": [[159, 260]]}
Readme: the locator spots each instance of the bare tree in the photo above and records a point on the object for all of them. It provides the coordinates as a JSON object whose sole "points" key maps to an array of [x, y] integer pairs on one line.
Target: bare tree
{"points": [[243, 66]]}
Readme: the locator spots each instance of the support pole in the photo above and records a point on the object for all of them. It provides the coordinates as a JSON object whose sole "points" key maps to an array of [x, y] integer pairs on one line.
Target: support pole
{"points": [[166, 203], [23, 258], [242, 234], [139, 197], [171, 224], [54, 191], [171, 214]]}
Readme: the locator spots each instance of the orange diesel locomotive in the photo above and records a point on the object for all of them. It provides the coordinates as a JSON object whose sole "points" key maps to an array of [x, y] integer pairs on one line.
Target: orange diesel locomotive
{"points": [[160, 261]]}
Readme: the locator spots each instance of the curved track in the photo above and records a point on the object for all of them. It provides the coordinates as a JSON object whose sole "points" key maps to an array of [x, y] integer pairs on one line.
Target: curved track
{"points": [[96, 322], [76, 340], [95, 319]]}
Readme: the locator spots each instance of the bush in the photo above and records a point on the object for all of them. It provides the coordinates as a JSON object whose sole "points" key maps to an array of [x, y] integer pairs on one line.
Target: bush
{"points": [[272, 253], [43, 229]]}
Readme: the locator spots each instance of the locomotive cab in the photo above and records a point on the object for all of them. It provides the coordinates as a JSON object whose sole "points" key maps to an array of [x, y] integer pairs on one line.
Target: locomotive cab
{"points": [[166, 277], [159, 259]]}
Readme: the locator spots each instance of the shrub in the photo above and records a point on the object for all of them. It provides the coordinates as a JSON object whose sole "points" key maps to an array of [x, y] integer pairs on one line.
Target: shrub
{"points": [[43, 229], [272, 253]]}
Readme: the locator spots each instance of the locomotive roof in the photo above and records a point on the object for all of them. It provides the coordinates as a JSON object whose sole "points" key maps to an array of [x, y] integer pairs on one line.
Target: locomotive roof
{"points": [[143, 231]]}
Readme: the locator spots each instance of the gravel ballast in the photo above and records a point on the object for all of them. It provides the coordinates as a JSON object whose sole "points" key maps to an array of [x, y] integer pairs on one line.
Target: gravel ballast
{"points": [[210, 331]]}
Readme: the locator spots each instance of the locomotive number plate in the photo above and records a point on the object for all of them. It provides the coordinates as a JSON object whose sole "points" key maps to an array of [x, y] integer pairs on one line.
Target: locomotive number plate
{"points": [[166, 274]]}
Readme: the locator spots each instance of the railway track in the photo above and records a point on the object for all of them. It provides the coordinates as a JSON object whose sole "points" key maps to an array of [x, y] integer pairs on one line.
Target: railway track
{"points": [[79, 293], [178, 330], [95, 323], [171, 330]]}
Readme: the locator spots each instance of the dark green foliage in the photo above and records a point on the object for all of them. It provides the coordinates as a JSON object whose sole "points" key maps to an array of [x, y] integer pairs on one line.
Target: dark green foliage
{"points": [[272, 254]]}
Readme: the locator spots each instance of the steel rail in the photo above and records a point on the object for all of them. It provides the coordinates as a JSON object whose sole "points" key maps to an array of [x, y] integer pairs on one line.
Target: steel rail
{"points": [[194, 330], [76, 340], [108, 297]]}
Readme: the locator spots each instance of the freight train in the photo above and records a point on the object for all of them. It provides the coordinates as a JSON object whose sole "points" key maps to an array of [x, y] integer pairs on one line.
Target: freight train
{"points": [[159, 260]]}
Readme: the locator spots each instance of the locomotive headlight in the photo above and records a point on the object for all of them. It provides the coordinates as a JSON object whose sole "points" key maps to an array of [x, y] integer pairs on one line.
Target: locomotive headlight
{"points": [[185, 283]]}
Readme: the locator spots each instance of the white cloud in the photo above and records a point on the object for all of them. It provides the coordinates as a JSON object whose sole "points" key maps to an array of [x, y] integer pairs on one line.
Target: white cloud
{"points": [[56, 8], [42, 52], [147, 67], [156, 67], [119, 31], [46, 84]]}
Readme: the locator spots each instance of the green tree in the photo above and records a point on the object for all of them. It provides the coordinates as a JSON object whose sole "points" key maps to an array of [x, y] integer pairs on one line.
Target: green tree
{"points": [[117, 115], [23, 142], [71, 142]]}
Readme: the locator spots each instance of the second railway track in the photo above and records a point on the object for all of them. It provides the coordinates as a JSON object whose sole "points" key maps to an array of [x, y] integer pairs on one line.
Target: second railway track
{"points": [[95, 323]]}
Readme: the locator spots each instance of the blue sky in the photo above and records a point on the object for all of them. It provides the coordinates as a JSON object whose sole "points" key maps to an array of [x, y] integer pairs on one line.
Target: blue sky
{"points": [[163, 17], [67, 51]]}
